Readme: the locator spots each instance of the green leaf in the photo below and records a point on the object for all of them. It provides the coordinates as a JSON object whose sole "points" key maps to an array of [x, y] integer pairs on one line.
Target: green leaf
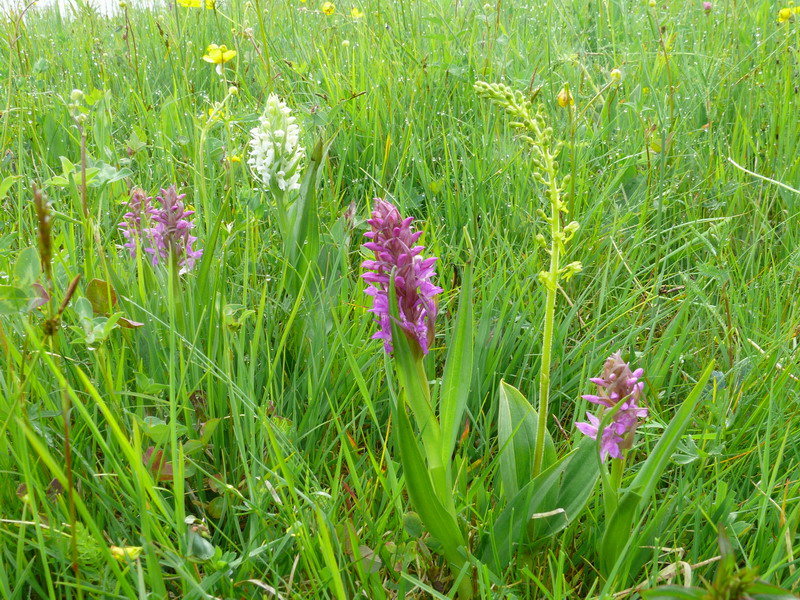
{"points": [[516, 433], [137, 139], [457, 370], [577, 485], [511, 524], [761, 590], [410, 374], [109, 174], [618, 527], [647, 477], [102, 296], [83, 308], [6, 184], [618, 531], [674, 592], [12, 300], [158, 431], [27, 268], [436, 518], [66, 166], [192, 446], [303, 243], [208, 429]]}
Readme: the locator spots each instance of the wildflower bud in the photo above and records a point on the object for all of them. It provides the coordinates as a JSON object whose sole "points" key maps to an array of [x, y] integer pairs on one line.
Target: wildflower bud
{"points": [[652, 3], [616, 75], [570, 270], [123, 5], [233, 90], [707, 6], [487, 7], [564, 97], [76, 95], [345, 43], [80, 118]]}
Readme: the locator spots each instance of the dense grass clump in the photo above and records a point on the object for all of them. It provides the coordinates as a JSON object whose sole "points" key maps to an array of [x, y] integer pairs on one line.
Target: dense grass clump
{"points": [[211, 418]]}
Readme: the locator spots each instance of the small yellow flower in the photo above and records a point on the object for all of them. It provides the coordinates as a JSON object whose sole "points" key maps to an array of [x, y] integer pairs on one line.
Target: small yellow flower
{"points": [[355, 13], [652, 3], [645, 90], [234, 158], [616, 75], [209, 4], [565, 98], [784, 14], [328, 8], [122, 553], [218, 55]]}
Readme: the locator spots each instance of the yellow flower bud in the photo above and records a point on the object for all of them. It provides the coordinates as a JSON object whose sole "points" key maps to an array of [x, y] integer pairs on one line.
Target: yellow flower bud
{"points": [[565, 98], [616, 75]]}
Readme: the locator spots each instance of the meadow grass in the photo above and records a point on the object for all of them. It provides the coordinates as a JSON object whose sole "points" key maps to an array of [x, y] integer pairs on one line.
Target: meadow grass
{"points": [[295, 490]]}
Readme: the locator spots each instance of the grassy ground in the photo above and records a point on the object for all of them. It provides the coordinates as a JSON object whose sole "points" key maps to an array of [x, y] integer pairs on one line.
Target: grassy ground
{"points": [[291, 485]]}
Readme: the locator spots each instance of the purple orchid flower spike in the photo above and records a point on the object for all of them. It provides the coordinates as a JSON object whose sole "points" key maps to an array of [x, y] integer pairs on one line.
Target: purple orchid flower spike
{"points": [[393, 240], [172, 231], [160, 232], [617, 385], [140, 210]]}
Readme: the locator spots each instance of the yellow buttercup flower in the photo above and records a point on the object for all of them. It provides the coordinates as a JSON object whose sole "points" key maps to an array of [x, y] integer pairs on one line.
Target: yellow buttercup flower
{"points": [[218, 55], [355, 13], [209, 4], [785, 14], [328, 8], [122, 553]]}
